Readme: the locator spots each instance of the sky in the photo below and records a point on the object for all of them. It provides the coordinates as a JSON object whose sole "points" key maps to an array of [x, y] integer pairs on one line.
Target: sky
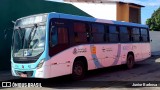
{"points": [[146, 12]]}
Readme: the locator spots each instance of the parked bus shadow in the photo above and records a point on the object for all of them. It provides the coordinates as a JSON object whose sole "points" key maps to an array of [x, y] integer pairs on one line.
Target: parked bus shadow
{"points": [[65, 82]]}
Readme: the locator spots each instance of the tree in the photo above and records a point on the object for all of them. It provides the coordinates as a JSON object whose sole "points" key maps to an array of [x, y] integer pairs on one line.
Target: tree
{"points": [[154, 21]]}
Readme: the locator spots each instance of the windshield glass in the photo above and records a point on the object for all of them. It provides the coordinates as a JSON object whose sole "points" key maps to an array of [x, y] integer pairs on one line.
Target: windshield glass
{"points": [[29, 42]]}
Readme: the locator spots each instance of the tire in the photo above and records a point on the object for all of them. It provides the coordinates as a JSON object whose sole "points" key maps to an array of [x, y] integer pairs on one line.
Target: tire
{"points": [[78, 70], [130, 61]]}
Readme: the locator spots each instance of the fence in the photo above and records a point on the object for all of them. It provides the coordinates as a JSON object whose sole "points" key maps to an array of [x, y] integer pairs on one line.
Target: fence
{"points": [[155, 41]]}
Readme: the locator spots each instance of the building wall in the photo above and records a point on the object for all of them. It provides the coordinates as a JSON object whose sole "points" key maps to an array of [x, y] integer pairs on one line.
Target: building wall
{"points": [[134, 14], [122, 12], [155, 43], [128, 13], [98, 10], [104, 9]]}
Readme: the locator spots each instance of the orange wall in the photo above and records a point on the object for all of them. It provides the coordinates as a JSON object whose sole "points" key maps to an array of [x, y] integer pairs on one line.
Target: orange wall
{"points": [[123, 12]]}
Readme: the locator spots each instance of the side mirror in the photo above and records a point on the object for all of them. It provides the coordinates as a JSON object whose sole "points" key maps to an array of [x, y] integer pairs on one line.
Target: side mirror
{"points": [[151, 40]]}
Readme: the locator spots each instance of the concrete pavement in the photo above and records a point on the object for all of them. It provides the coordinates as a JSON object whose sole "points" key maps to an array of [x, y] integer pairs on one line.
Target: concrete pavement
{"points": [[156, 53], [6, 75]]}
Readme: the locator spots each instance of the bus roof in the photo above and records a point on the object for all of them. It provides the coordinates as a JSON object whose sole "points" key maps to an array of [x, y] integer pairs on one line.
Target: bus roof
{"points": [[91, 19]]}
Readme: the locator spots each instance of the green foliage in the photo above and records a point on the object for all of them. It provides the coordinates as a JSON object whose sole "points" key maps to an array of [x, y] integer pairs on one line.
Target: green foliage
{"points": [[154, 21]]}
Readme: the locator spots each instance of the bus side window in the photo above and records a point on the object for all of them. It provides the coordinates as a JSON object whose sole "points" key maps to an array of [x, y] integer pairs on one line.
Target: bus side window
{"points": [[129, 29], [124, 34], [62, 35], [53, 36], [80, 32], [98, 33], [113, 34], [106, 35], [136, 34], [144, 35]]}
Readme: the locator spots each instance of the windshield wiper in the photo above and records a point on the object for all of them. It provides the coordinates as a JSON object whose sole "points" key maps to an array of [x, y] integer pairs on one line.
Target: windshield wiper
{"points": [[31, 38], [19, 32], [21, 35]]}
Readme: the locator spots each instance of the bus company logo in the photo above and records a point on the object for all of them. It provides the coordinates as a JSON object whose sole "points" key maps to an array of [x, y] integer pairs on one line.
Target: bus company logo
{"points": [[129, 47], [74, 51], [79, 50]]}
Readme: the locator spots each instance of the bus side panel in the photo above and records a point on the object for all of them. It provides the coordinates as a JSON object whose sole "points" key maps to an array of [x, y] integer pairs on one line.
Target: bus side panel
{"points": [[137, 51], [125, 48], [112, 55], [62, 63], [141, 51], [97, 56], [146, 51]]}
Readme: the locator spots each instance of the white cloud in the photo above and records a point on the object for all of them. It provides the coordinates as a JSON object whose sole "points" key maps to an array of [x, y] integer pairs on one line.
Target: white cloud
{"points": [[145, 2]]}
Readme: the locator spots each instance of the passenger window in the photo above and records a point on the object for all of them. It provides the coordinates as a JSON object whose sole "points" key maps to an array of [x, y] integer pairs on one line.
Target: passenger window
{"points": [[62, 35], [98, 33], [113, 34], [106, 37], [124, 34], [53, 35], [97, 28], [59, 35], [136, 34], [144, 35], [80, 32]]}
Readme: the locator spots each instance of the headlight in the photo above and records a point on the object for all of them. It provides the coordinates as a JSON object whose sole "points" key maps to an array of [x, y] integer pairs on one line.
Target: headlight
{"points": [[40, 64]]}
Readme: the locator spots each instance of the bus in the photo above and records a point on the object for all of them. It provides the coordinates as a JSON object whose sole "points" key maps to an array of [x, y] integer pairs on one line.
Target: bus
{"points": [[55, 44]]}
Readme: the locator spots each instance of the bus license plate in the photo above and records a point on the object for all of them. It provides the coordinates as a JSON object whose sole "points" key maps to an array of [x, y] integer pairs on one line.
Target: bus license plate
{"points": [[23, 75]]}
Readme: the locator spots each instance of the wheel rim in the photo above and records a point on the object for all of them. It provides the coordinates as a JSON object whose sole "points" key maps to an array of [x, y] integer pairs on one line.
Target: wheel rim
{"points": [[130, 61], [78, 70]]}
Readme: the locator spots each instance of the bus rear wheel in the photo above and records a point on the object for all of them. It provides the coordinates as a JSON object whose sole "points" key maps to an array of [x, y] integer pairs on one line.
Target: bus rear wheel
{"points": [[130, 61], [78, 71]]}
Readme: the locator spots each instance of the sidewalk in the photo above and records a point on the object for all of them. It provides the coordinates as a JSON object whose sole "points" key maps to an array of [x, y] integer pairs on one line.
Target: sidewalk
{"points": [[6, 75]]}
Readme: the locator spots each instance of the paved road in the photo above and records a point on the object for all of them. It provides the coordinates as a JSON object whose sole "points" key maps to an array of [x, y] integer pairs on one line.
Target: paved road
{"points": [[117, 77]]}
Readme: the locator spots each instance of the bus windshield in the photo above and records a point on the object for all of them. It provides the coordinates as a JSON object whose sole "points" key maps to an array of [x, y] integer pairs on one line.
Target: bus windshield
{"points": [[28, 42]]}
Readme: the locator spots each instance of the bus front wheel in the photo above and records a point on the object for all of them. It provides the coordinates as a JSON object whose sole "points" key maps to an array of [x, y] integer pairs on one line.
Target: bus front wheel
{"points": [[78, 71], [130, 61]]}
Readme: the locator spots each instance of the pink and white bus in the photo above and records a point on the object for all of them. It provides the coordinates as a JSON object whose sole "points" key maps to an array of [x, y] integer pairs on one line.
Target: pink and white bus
{"points": [[55, 44]]}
